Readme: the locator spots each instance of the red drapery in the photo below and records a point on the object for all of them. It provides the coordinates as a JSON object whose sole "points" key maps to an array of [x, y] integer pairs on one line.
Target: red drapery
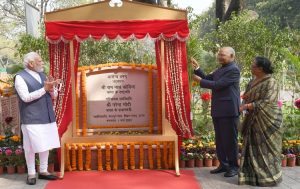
{"points": [[173, 32], [166, 29], [176, 86], [60, 68]]}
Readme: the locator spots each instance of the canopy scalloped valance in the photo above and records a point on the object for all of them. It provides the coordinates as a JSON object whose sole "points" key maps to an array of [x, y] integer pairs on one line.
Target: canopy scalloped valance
{"points": [[167, 30]]}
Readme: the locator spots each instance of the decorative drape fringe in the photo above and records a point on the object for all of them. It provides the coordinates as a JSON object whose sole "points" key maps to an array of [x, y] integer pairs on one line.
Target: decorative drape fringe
{"points": [[164, 155]]}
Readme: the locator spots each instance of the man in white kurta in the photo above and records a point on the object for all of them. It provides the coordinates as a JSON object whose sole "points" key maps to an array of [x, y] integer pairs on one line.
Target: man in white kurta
{"points": [[38, 124]]}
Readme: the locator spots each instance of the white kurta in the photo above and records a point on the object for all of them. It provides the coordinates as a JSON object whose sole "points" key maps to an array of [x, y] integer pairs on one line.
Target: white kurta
{"points": [[36, 137]]}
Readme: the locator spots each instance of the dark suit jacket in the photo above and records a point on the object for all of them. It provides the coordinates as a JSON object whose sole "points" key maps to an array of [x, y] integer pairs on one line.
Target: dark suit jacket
{"points": [[225, 86]]}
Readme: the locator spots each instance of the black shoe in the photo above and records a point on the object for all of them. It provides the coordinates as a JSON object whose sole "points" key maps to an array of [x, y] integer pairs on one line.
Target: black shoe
{"points": [[218, 170], [48, 177], [31, 181], [230, 173]]}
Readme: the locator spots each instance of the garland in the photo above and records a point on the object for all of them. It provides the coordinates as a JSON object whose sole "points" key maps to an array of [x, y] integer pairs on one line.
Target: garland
{"points": [[150, 156], [158, 155], [171, 155], [107, 157], [168, 155], [125, 157], [88, 158], [159, 106], [99, 157], [84, 102], [132, 156], [165, 155], [141, 156], [77, 109], [115, 157], [73, 152], [80, 157], [69, 168], [150, 95]]}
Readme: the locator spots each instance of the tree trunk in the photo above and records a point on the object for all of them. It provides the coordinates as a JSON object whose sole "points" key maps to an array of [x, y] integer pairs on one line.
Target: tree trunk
{"points": [[224, 8]]}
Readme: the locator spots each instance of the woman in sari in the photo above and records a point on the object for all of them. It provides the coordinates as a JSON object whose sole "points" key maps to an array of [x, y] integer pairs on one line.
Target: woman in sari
{"points": [[261, 128]]}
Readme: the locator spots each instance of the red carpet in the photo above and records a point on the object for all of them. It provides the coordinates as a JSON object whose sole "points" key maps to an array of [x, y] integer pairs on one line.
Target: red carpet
{"points": [[138, 179]]}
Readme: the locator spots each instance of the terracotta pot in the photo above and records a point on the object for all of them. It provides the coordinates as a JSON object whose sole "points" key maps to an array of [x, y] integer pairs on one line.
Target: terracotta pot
{"points": [[21, 169], [11, 169], [283, 163], [37, 168], [190, 163], [291, 162], [1, 170], [51, 167], [198, 162], [208, 162], [298, 161], [182, 163], [215, 162]]}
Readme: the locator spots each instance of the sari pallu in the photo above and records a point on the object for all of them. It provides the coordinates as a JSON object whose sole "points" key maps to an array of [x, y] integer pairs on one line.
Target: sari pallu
{"points": [[262, 135]]}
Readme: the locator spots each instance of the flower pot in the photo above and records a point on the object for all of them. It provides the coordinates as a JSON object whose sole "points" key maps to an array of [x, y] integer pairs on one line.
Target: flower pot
{"points": [[208, 162], [1, 170], [291, 162], [298, 161], [283, 163], [51, 167], [199, 163], [190, 163], [11, 169], [215, 163], [21, 169], [37, 168], [182, 163]]}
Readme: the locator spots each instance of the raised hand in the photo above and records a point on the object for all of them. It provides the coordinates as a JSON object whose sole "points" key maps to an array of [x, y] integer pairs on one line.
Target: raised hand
{"points": [[195, 64]]}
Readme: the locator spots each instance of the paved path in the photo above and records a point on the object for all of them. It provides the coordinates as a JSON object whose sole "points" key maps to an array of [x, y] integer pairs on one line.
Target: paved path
{"points": [[291, 180]]}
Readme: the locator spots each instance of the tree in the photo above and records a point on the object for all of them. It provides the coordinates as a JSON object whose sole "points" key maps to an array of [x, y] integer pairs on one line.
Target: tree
{"points": [[224, 8]]}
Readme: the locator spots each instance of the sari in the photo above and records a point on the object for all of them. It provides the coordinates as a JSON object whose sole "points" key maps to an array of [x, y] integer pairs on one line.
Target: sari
{"points": [[262, 135]]}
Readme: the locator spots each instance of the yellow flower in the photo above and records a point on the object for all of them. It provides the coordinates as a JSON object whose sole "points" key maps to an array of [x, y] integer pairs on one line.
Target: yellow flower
{"points": [[15, 138]]}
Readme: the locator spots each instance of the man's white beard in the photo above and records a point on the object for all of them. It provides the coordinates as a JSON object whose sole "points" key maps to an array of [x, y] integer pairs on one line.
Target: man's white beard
{"points": [[39, 69]]}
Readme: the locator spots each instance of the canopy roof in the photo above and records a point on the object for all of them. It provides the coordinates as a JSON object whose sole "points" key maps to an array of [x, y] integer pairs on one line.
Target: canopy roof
{"points": [[132, 20]]}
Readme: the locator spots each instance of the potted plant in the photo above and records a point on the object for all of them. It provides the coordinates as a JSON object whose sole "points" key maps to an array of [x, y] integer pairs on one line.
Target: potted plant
{"points": [[10, 161], [291, 160], [215, 160], [182, 160], [283, 160], [207, 160], [51, 160], [190, 163], [298, 159], [199, 160], [20, 160], [2, 161]]}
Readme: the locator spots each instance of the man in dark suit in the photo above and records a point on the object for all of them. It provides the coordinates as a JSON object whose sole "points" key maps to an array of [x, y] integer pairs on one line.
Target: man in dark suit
{"points": [[224, 83]]}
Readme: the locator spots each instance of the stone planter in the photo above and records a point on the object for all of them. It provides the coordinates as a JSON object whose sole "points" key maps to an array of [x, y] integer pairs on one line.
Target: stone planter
{"points": [[11, 169], [198, 162], [291, 162], [21, 169], [208, 162]]}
